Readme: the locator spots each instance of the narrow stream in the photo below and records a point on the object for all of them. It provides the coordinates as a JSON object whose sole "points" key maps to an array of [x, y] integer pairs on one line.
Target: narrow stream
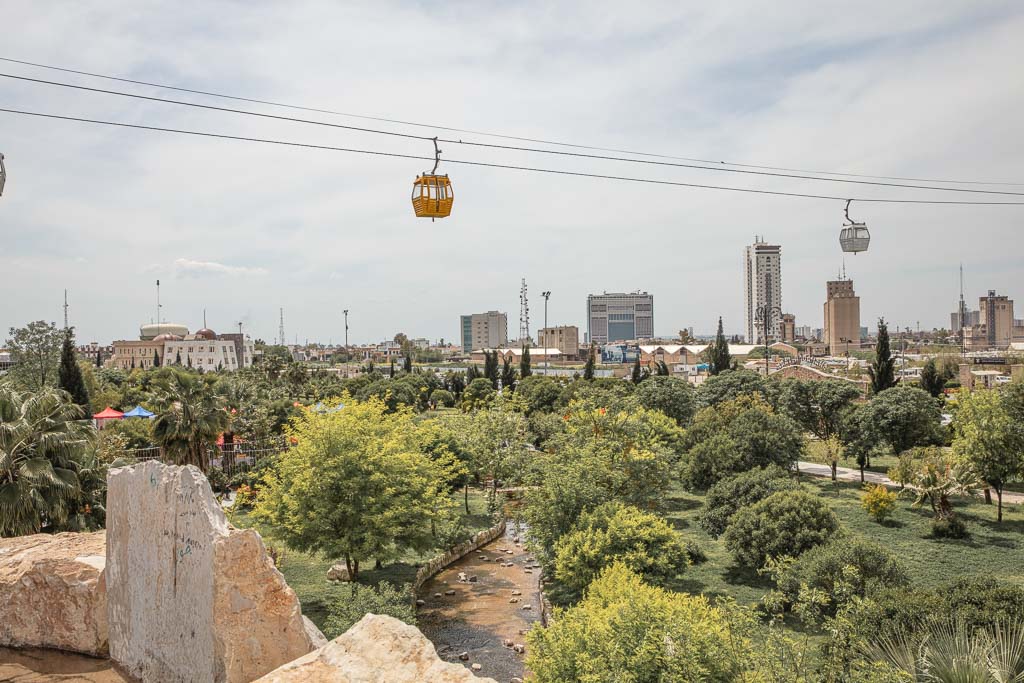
{"points": [[484, 619], [32, 665]]}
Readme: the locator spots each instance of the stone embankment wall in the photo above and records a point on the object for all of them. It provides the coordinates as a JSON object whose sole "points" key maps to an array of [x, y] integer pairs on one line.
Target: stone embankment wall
{"points": [[438, 563]]}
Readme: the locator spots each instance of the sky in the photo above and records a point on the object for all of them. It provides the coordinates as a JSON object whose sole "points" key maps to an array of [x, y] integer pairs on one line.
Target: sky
{"points": [[241, 230]]}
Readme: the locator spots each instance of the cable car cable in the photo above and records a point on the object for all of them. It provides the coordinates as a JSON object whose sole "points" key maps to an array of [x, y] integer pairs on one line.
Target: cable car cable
{"points": [[467, 162], [495, 135], [510, 147]]}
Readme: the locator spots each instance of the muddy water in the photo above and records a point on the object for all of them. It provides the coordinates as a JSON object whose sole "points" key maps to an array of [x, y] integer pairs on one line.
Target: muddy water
{"points": [[478, 618], [50, 666]]}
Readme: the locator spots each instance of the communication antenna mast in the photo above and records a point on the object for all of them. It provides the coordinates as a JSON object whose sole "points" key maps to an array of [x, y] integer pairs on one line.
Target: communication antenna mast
{"points": [[524, 314], [280, 330], [65, 310], [346, 328], [963, 315]]}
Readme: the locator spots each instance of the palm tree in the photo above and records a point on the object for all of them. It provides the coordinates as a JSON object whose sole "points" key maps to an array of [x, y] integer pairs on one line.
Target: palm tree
{"points": [[940, 477], [952, 652], [190, 418], [40, 444]]}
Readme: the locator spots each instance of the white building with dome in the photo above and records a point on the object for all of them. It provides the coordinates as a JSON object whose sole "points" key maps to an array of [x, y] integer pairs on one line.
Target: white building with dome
{"points": [[171, 344]]}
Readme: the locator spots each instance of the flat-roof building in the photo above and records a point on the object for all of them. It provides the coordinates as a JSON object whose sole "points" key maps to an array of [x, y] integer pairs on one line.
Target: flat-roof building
{"points": [[620, 317]]}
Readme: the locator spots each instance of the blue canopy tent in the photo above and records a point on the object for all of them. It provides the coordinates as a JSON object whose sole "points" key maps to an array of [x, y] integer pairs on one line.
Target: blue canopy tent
{"points": [[138, 411]]}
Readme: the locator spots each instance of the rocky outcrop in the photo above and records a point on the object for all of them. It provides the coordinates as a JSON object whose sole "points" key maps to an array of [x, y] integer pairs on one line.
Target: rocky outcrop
{"points": [[52, 592], [378, 648], [190, 598]]}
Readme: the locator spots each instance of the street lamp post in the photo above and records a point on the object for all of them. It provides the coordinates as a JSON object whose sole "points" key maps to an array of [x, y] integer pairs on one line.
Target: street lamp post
{"points": [[546, 295], [766, 314]]}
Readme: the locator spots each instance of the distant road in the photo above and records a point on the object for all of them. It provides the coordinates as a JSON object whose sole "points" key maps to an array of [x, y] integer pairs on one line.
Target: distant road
{"points": [[847, 474]]}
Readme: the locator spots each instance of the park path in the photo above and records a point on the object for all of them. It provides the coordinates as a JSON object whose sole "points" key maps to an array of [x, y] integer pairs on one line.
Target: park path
{"points": [[849, 474], [486, 618]]}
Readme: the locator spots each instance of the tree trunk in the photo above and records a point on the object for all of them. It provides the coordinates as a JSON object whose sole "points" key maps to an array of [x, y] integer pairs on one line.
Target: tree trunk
{"points": [[355, 570], [465, 495], [378, 564], [348, 567], [988, 496], [999, 496], [835, 467], [862, 474]]}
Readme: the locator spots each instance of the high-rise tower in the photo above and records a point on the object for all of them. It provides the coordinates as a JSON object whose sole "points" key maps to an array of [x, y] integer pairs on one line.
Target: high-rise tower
{"points": [[762, 283]]}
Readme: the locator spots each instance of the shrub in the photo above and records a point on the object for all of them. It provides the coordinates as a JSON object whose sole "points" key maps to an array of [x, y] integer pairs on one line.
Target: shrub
{"points": [[442, 397], [878, 501], [949, 527], [245, 497], [617, 533], [626, 630], [355, 601], [824, 566], [694, 552], [784, 523], [905, 469], [726, 497]]}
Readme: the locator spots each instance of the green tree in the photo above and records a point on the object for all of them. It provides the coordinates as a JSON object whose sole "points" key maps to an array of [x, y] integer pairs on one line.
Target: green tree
{"points": [[407, 364], [478, 394], [491, 367], [729, 385], [670, 395], [718, 353], [69, 375], [882, 369], [987, 436], [637, 374], [735, 436], [508, 374], [731, 494], [538, 393], [442, 398], [35, 350], [357, 484], [932, 379], [588, 369], [625, 630], [190, 417], [613, 533], [391, 369], [41, 443], [524, 362], [903, 417], [494, 438], [784, 523], [818, 406]]}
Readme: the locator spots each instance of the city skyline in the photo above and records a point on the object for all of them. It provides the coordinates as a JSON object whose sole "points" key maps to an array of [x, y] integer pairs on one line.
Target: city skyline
{"points": [[243, 230]]}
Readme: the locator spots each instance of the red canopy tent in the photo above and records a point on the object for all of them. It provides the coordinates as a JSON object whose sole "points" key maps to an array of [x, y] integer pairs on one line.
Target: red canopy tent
{"points": [[107, 413]]}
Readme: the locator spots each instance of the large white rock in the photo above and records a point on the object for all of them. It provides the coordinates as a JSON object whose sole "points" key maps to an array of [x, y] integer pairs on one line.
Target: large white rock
{"points": [[52, 592], [190, 598], [377, 649]]}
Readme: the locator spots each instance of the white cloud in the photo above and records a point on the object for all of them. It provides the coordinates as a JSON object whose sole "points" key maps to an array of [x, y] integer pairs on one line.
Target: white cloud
{"points": [[187, 267]]}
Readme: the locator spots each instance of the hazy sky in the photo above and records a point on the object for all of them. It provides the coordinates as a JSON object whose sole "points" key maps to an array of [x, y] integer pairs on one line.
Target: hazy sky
{"points": [[922, 89]]}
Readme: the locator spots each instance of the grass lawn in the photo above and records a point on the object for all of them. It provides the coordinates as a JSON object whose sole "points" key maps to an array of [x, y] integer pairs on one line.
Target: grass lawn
{"points": [[307, 574], [991, 550]]}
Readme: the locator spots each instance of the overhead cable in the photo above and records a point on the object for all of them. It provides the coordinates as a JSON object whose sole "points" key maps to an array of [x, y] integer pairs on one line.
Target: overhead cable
{"points": [[720, 164], [467, 162]]}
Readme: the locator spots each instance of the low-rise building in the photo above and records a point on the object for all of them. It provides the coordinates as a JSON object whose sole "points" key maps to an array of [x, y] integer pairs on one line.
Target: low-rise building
{"points": [[203, 350], [565, 338]]}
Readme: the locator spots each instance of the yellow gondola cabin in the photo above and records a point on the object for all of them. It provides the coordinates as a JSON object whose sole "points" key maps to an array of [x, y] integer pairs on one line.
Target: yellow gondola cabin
{"points": [[432, 196]]}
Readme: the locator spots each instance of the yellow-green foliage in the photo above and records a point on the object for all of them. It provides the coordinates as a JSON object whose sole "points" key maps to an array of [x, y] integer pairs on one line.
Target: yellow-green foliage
{"points": [[628, 632], [357, 484], [612, 533], [878, 501]]}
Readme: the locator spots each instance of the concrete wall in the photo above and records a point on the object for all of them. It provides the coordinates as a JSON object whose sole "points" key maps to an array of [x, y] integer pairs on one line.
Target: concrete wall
{"points": [[439, 562]]}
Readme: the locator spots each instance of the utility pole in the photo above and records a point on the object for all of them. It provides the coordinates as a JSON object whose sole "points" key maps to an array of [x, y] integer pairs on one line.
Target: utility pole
{"points": [[280, 330], [346, 329], [963, 315], [158, 307], [546, 295]]}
